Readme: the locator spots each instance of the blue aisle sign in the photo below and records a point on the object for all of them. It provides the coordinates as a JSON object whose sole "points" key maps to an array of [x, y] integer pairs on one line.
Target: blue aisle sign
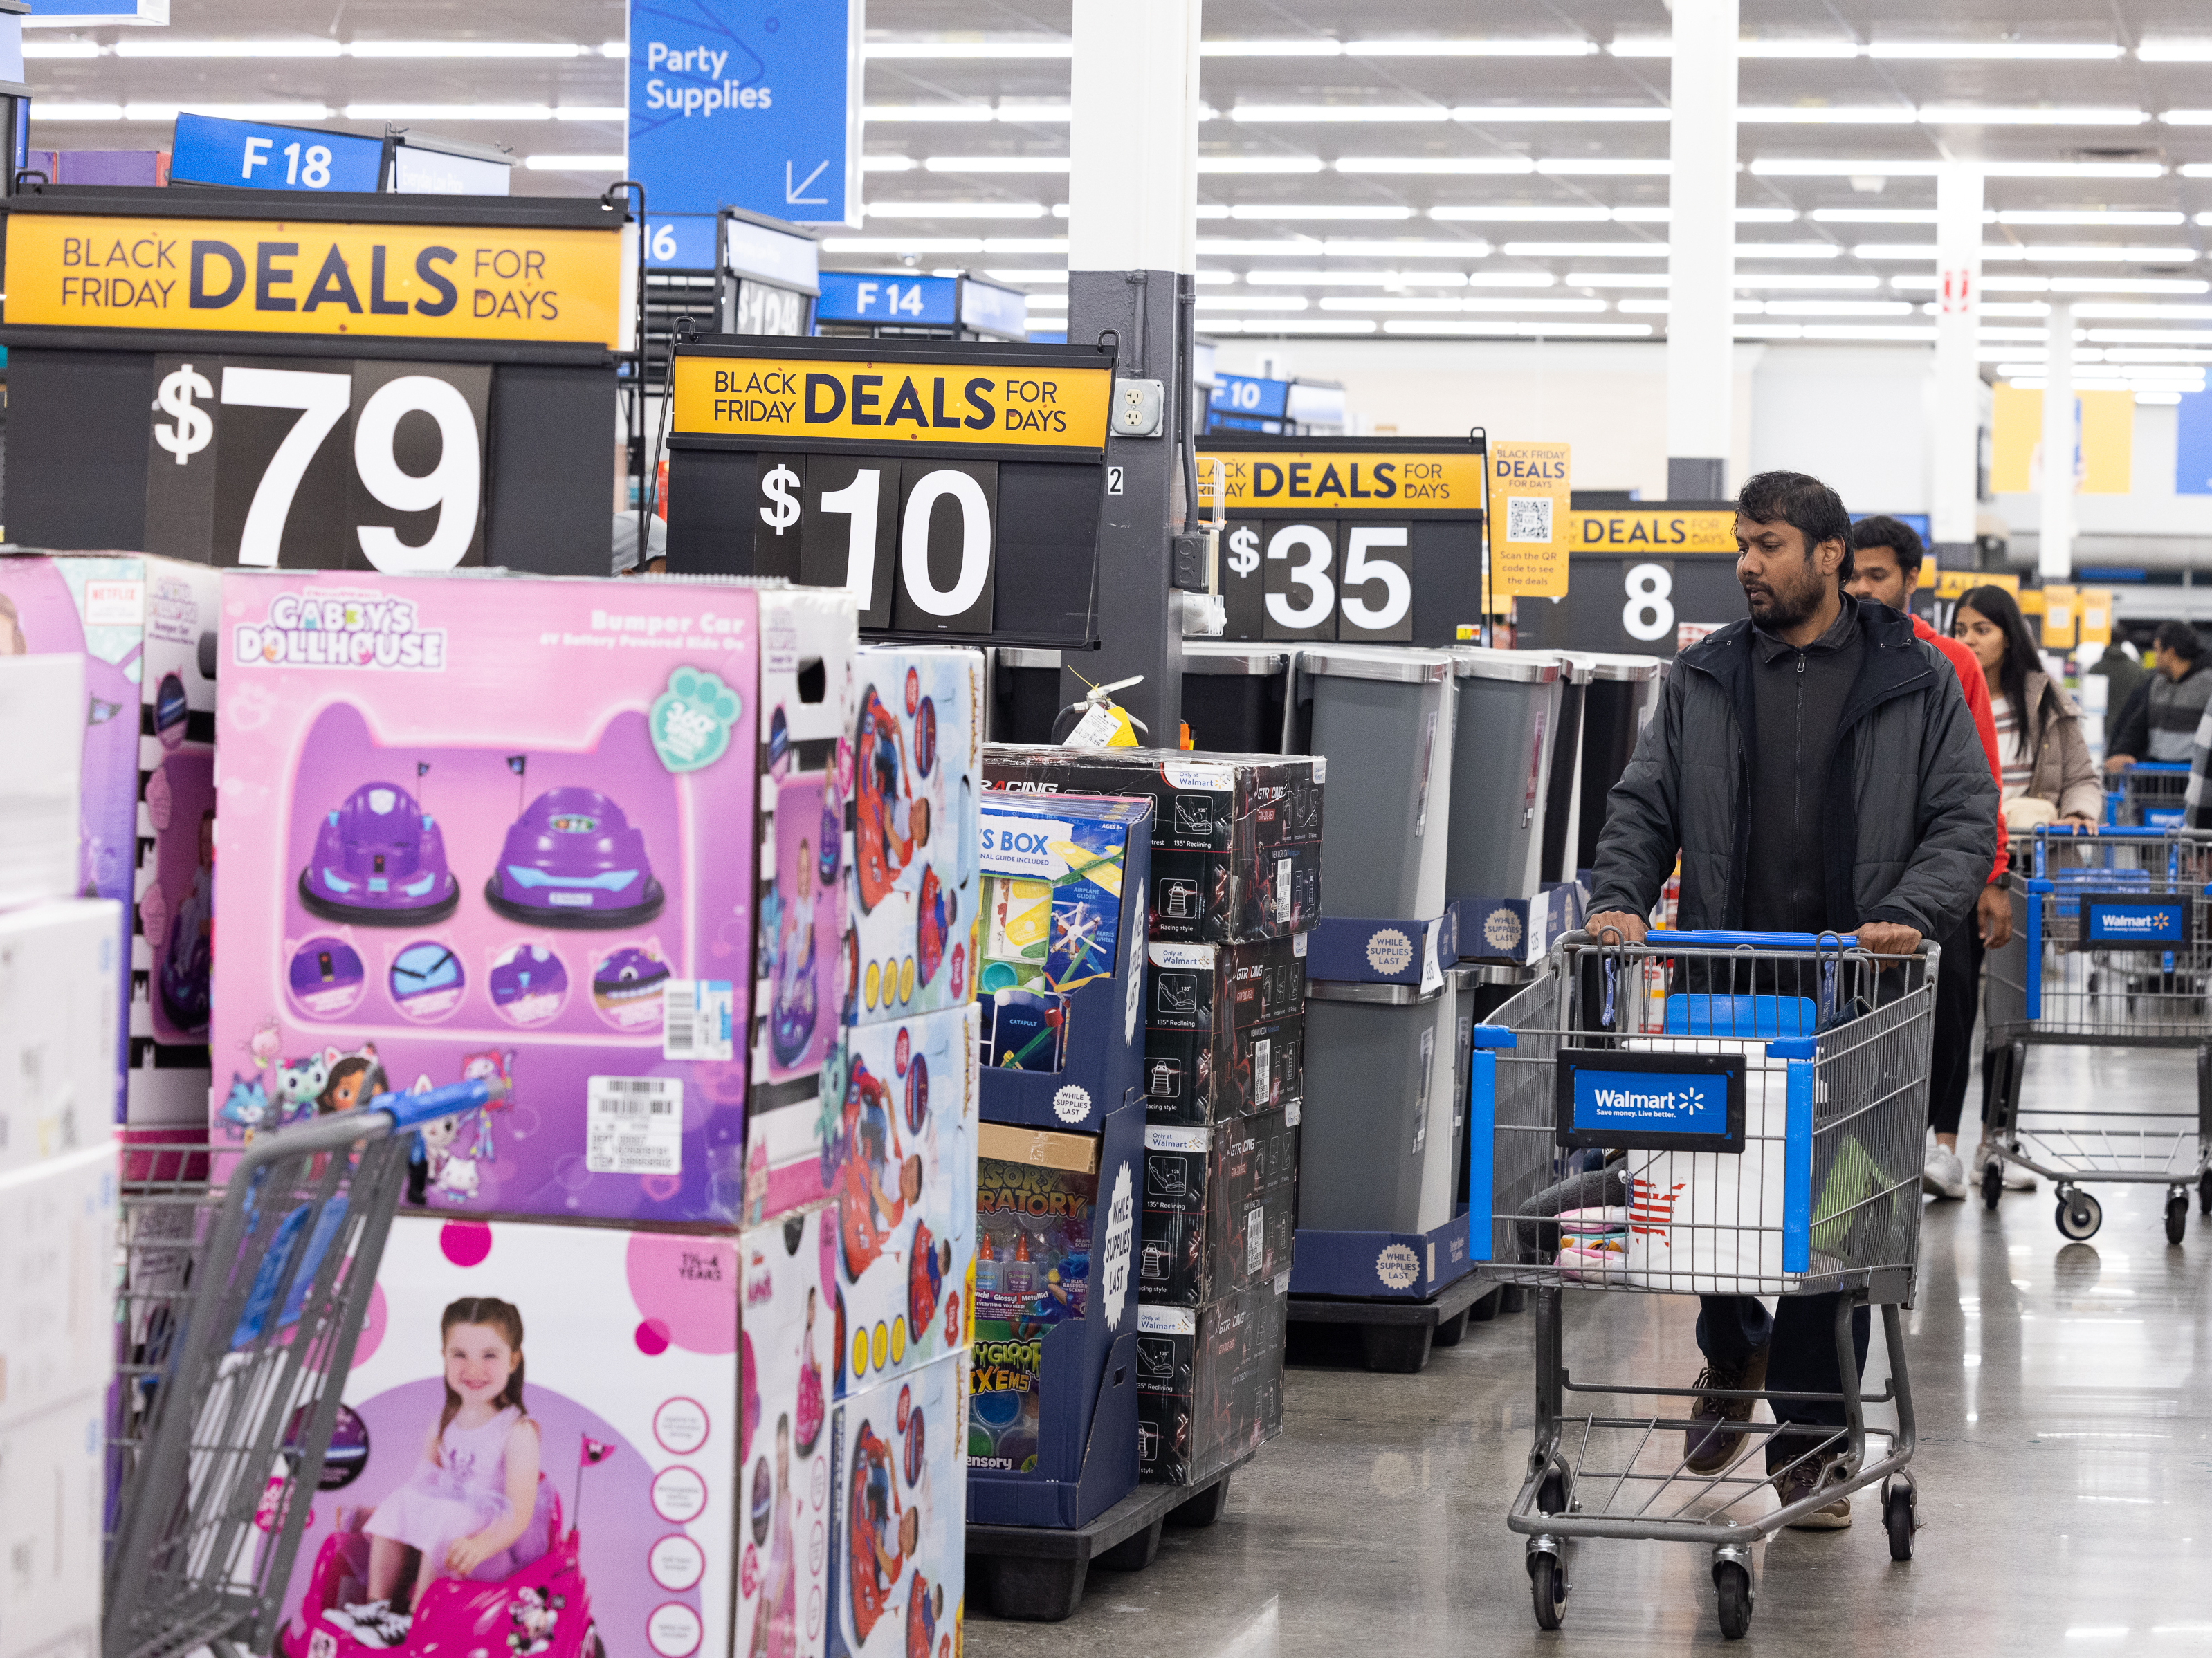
{"points": [[743, 103], [208, 150], [683, 242], [1677, 1102], [1248, 394], [929, 302]]}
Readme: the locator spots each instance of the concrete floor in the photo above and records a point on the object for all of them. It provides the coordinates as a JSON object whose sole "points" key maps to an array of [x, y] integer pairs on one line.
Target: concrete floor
{"points": [[2065, 1394]]}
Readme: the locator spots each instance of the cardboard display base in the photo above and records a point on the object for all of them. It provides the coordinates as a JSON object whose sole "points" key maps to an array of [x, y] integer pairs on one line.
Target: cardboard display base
{"points": [[1380, 1266], [1395, 1336]]}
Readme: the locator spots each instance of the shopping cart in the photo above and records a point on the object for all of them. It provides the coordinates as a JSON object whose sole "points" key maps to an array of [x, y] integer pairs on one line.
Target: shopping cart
{"points": [[2112, 948], [2151, 794], [1723, 1114], [238, 1309]]}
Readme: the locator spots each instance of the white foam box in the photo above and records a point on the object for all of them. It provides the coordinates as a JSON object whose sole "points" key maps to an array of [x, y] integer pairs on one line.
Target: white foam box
{"points": [[52, 1478], [56, 1281], [898, 1495], [58, 1013], [42, 717]]}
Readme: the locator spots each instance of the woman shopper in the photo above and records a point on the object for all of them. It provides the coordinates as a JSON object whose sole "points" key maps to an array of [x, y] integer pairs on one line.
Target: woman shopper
{"points": [[2048, 775]]}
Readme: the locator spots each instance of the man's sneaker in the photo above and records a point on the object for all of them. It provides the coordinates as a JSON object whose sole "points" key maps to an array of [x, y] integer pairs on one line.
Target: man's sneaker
{"points": [[1707, 1450], [2016, 1179], [1944, 1175], [1802, 1480]]}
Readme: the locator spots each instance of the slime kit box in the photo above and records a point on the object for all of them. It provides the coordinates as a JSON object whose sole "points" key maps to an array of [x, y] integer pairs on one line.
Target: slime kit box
{"points": [[916, 745], [500, 824], [898, 1507], [146, 630], [905, 1220], [627, 1408], [1210, 1381], [1220, 1205], [1236, 838], [1225, 1030]]}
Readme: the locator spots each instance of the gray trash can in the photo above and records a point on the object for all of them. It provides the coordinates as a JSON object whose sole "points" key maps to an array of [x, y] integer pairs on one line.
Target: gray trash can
{"points": [[1378, 1151], [1507, 723], [1617, 697], [1382, 718], [1233, 696]]}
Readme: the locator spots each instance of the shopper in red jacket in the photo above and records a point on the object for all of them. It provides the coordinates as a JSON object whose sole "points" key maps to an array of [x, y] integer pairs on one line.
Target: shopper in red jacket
{"points": [[1885, 558]]}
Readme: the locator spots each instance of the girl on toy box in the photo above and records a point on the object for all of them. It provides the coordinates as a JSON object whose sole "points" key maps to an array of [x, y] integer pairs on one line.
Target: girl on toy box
{"points": [[469, 1509]]}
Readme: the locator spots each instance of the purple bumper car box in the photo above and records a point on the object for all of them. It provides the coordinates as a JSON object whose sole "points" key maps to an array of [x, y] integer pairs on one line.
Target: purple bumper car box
{"points": [[508, 826]]}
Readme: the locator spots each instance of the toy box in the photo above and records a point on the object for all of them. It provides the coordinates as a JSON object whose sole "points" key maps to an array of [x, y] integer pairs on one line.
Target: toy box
{"points": [[916, 743], [1210, 1382], [635, 1385], [1052, 1405], [1236, 838], [1062, 968], [56, 1280], [58, 1014], [906, 1192], [146, 628], [1221, 1204], [53, 1482], [898, 1515], [506, 824], [41, 798], [1225, 1030]]}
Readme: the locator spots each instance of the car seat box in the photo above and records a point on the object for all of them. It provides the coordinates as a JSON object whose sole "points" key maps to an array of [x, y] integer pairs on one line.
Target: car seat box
{"points": [[58, 1278], [58, 1013], [1209, 1381], [52, 1492], [1225, 1030], [1219, 1207]]}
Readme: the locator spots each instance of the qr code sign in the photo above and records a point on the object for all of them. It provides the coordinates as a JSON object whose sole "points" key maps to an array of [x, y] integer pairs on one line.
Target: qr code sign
{"points": [[1529, 517]]}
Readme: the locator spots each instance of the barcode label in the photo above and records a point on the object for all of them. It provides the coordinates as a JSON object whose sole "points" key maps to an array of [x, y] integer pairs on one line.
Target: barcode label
{"points": [[1255, 1239], [1282, 891], [635, 1125], [698, 1017], [1263, 1069]]}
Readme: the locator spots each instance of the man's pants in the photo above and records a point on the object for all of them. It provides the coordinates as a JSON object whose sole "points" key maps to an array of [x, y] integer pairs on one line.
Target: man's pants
{"points": [[1800, 1341], [1958, 986]]}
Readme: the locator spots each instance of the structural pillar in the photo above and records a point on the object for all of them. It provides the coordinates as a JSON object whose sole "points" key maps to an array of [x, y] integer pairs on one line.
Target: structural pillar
{"points": [[1701, 253], [1955, 452], [1132, 253], [2061, 428]]}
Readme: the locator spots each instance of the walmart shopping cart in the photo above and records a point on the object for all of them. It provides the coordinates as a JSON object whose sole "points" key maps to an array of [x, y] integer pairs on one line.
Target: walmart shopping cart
{"points": [[239, 1309], [1754, 1105], [2111, 950], [2151, 794]]}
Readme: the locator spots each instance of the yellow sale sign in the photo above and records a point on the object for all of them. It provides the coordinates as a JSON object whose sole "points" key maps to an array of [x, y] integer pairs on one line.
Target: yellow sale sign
{"points": [[1529, 494], [891, 403]]}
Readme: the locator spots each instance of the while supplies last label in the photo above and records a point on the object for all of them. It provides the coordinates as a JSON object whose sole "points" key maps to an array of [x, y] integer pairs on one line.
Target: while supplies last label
{"points": [[636, 1125]]}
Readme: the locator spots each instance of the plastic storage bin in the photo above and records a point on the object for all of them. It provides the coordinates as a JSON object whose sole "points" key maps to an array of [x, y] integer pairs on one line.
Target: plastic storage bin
{"points": [[1233, 696], [1382, 718], [1617, 700], [1508, 723], [1377, 1154]]}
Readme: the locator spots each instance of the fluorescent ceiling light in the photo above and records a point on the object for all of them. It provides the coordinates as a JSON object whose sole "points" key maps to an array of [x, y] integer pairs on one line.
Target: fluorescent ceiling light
{"points": [[1968, 50], [53, 112], [1494, 114], [2195, 170], [1304, 248], [1248, 112], [2105, 216], [1787, 251], [2174, 52], [2042, 252], [301, 112], [1259, 164], [1558, 331], [1586, 250], [1367, 303], [474, 49], [1635, 307], [1795, 166], [1617, 279], [1511, 279], [161, 46], [1312, 210], [1047, 302], [1564, 47], [927, 112], [1831, 307], [1285, 325], [2007, 308], [2146, 313], [1421, 164], [1874, 215], [576, 164], [1788, 47], [1604, 168], [1574, 307], [1522, 215], [1058, 278], [996, 164], [61, 49], [1356, 278], [2187, 117], [1026, 245], [484, 112], [1350, 248], [1251, 302], [1316, 47], [1826, 115], [1035, 114], [2148, 335], [903, 245], [1030, 45], [2032, 115], [956, 210], [1800, 280]]}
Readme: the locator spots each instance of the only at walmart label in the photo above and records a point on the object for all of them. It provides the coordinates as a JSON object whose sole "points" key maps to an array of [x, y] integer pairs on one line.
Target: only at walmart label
{"points": [[890, 403], [1315, 479]]}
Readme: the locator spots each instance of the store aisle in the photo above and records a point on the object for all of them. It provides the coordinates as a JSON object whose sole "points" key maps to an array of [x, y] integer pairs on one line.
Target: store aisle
{"points": [[2066, 1468]]}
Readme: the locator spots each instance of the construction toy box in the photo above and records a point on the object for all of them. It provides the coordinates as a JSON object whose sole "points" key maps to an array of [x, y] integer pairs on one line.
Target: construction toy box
{"points": [[146, 630], [1052, 1422], [916, 743], [1236, 838], [906, 1192], [898, 1517], [1220, 1205], [503, 824], [1225, 1030], [588, 1501], [1062, 969], [1210, 1382]]}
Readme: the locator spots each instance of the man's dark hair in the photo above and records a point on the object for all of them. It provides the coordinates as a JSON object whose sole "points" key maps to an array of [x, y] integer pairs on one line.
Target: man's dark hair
{"points": [[1806, 505], [1881, 531], [2180, 638]]}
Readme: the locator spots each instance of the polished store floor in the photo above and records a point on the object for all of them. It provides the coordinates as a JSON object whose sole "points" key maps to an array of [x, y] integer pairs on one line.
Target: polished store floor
{"points": [[2064, 1392]]}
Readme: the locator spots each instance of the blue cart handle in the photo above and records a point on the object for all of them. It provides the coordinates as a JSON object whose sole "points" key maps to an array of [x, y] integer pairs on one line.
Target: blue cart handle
{"points": [[2170, 767], [409, 1111], [2105, 831], [1720, 940]]}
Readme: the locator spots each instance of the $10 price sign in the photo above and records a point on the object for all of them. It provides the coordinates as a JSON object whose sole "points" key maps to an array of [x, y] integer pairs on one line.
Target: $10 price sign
{"points": [[952, 488]]}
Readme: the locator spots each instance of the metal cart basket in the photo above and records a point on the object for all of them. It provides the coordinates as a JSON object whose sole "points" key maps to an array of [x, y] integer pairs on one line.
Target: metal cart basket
{"points": [[2112, 947], [239, 1306], [1722, 1114], [2150, 794]]}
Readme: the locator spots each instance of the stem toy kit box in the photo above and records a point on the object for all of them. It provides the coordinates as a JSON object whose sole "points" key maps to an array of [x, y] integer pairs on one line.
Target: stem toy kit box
{"points": [[906, 1208], [538, 1445], [1064, 880], [1236, 838], [1225, 1030], [146, 630], [916, 745], [1210, 1381], [898, 1505], [1220, 1205], [507, 824]]}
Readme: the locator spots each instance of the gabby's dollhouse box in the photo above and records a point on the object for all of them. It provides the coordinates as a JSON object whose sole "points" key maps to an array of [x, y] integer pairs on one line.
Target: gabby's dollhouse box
{"points": [[507, 825]]}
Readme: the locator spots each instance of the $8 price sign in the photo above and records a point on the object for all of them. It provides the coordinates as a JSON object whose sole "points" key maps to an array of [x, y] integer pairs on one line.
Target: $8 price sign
{"points": [[915, 541], [299, 463], [1324, 578]]}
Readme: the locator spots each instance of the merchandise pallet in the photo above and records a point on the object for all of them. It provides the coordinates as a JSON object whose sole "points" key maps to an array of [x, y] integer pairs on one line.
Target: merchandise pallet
{"points": [[1037, 1574], [1395, 1336]]}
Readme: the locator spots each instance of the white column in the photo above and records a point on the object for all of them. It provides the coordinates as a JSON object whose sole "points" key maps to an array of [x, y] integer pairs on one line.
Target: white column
{"points": [[1701, 256], [2056, 556], [1955, 452], [1132, 144]]}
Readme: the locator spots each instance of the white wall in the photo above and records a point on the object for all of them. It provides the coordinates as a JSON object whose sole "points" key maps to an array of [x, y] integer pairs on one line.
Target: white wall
{"points": [[1856, 416]]}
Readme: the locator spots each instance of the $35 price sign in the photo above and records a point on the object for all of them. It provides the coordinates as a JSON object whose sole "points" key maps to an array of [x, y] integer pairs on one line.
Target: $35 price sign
{"points": [[1318, 579], [299, 463]]}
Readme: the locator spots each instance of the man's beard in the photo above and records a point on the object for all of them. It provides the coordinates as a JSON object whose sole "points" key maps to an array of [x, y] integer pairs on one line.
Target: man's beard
{"points": [[1776, 608]]}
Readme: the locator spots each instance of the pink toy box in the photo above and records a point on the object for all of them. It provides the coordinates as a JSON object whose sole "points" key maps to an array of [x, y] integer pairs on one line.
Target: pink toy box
{"points": [[898, 1527], [148, 792], [505, 823], [905, 1220]]}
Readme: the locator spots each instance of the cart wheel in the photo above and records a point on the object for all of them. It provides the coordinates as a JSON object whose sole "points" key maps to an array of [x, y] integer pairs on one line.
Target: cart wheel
{"points": [[2177, 1218], [1897, 1516], [1547, 1584], [1555, 1494], [1732, 1586], [2080, 1215], [1992, 1184], [2204, 1194]]}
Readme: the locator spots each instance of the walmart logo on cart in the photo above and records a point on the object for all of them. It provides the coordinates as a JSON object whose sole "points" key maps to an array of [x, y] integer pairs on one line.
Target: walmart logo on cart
{"points": [[2162, 921], [1668, 1102], [1686, 1099]]}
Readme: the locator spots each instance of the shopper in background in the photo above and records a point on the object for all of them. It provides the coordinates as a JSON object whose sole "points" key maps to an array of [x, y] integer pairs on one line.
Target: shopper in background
{"points": [[2161, 722], [2048, 774], [2123, 677], [1886, 556], [1817, 770]]}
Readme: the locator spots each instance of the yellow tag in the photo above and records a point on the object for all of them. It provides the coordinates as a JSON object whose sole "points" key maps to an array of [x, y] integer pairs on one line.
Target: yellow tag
{"points": [[1529, 492], [1125, 734], [892, 404]]}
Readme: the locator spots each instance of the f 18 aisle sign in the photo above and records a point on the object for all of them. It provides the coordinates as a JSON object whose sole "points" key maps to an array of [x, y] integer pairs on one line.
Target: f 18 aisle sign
{"points": [[1350, 538]]}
